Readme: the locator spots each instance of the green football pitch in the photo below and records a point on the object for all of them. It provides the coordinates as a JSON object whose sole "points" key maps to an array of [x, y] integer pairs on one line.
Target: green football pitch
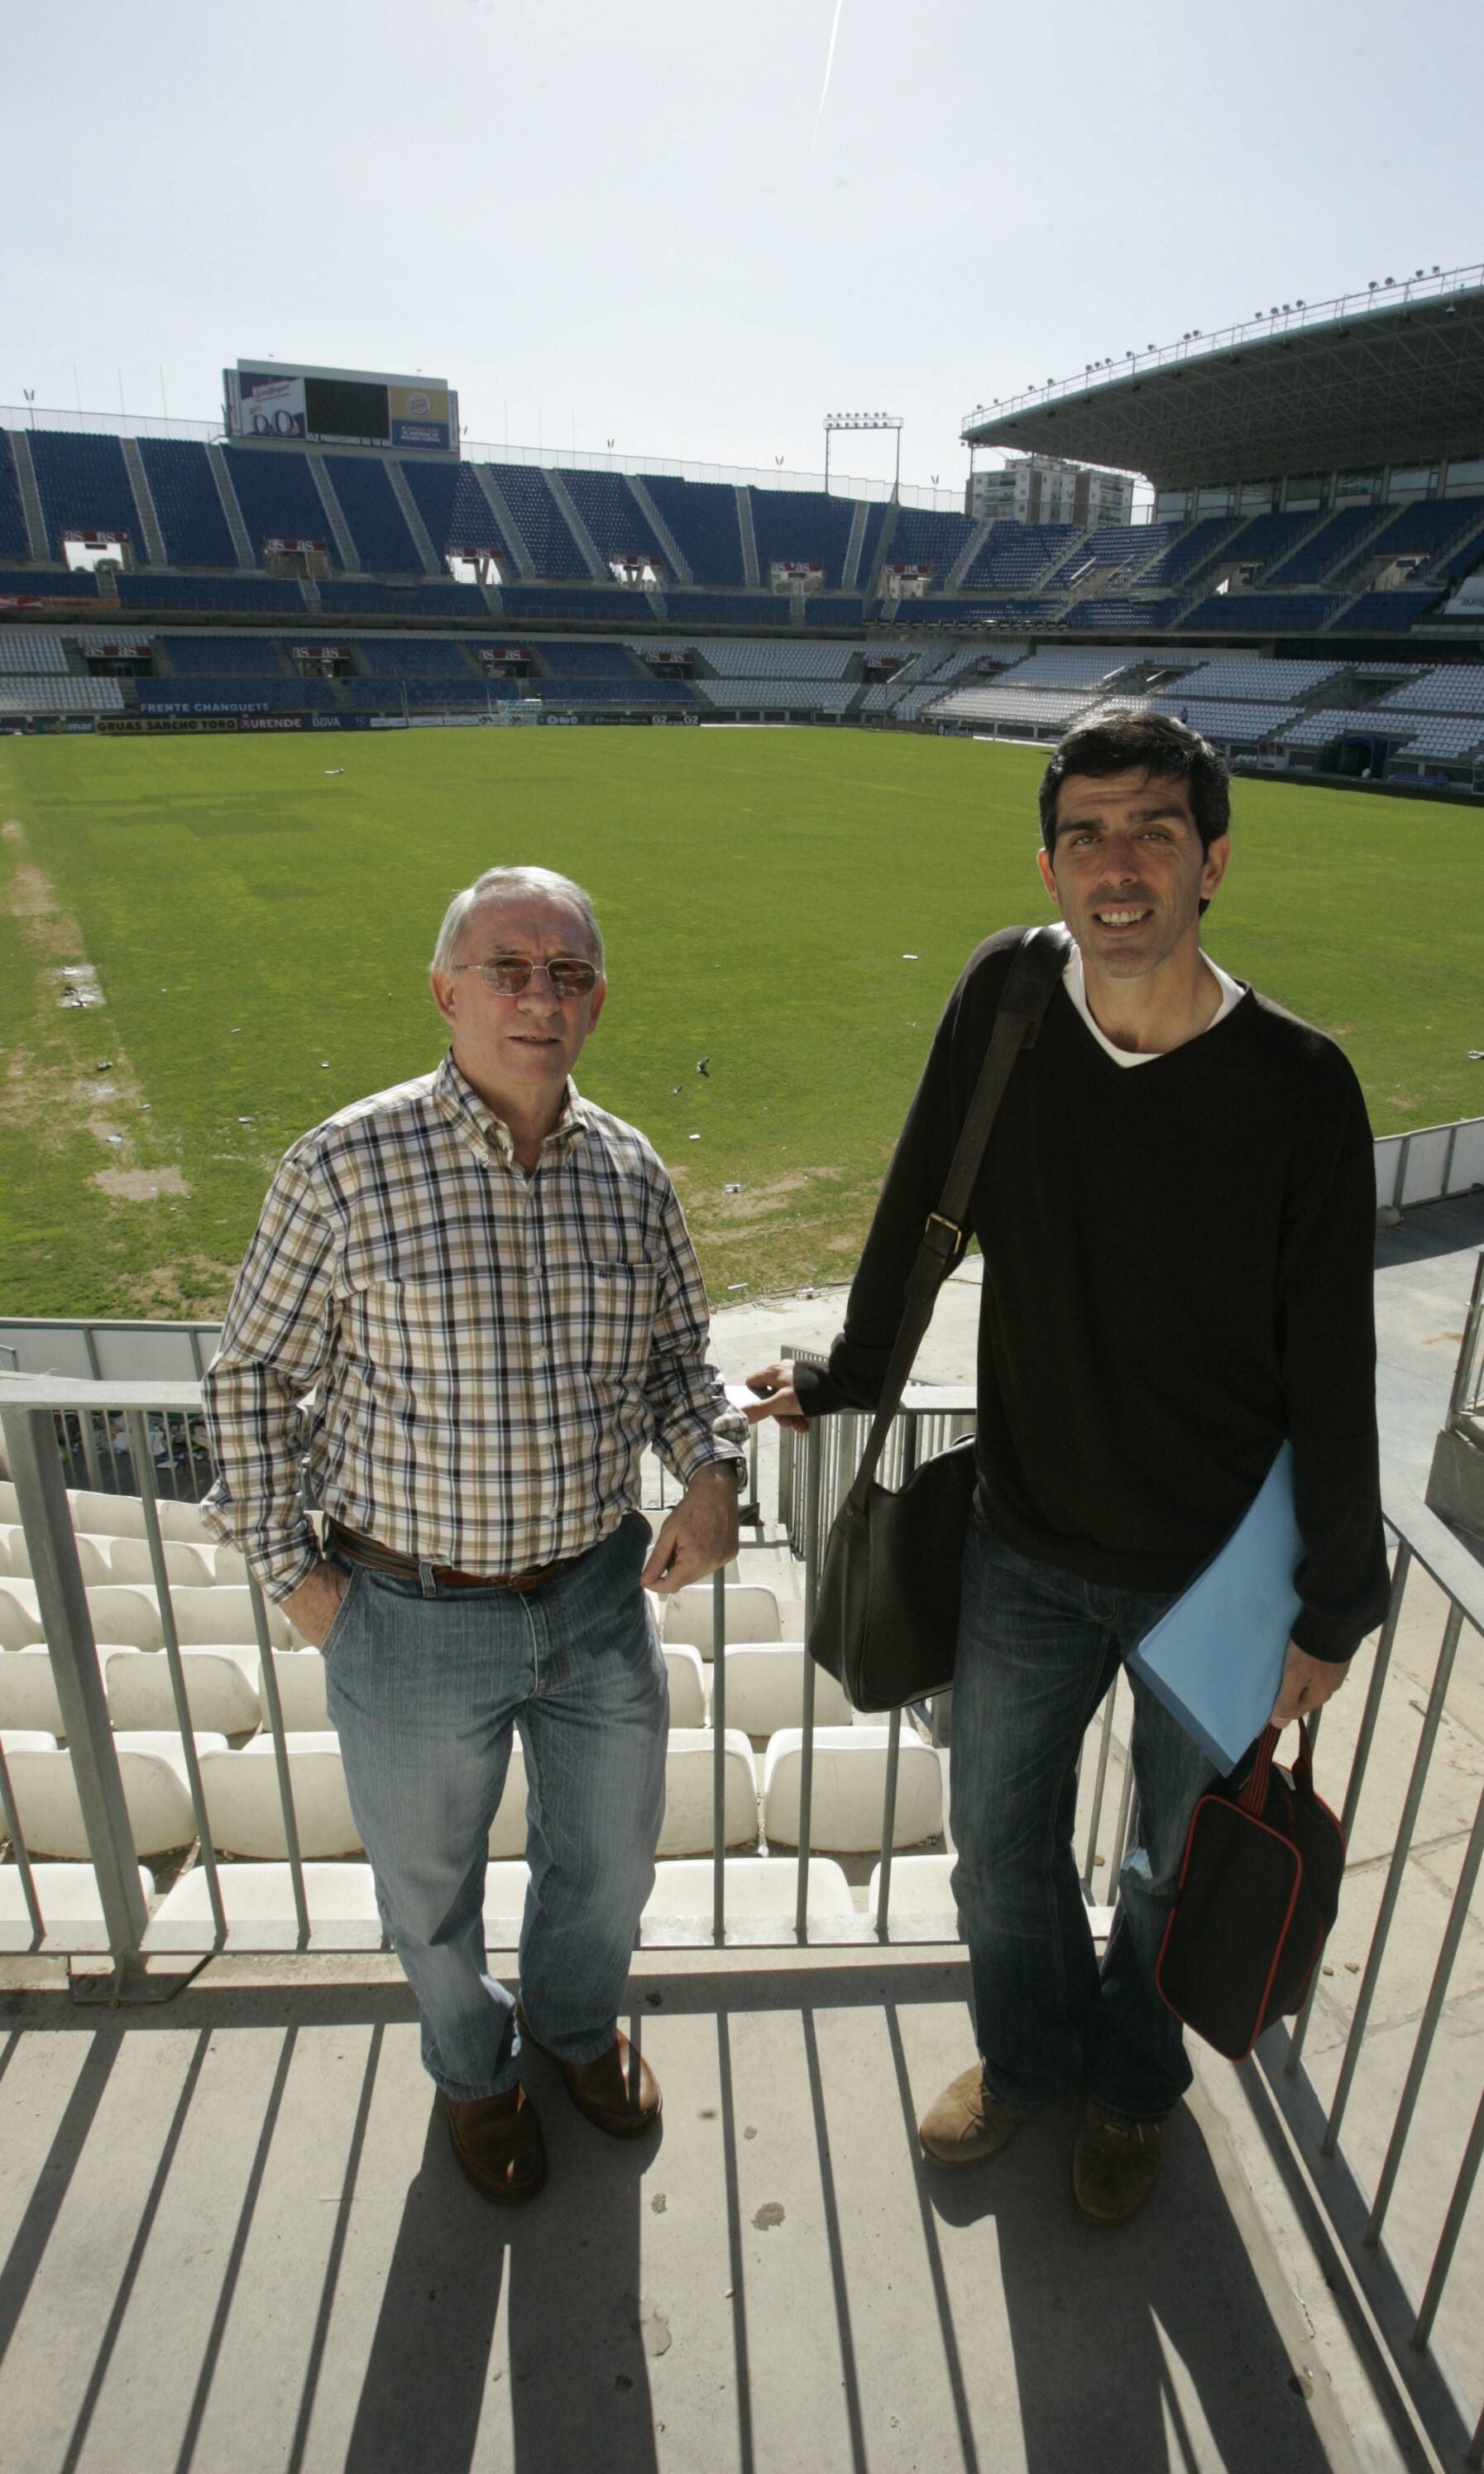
{"points": [[791, 905]]}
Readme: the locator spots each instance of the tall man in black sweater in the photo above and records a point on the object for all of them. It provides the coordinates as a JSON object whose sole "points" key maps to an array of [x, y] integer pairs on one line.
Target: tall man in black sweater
{"points": [[1177, 1214]]}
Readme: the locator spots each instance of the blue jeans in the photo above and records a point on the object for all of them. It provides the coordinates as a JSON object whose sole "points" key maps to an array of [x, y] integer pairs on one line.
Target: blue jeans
{"points": [[1037, 1651], [424, 1692]]}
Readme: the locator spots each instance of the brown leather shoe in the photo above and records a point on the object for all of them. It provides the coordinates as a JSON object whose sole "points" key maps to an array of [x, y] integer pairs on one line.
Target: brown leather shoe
{"points": [[497, 2141], [618, 2092], [966, 2123]]}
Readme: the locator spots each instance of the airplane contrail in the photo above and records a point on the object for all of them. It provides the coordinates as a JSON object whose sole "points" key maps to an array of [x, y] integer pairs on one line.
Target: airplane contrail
{"points": [[829, 62]]}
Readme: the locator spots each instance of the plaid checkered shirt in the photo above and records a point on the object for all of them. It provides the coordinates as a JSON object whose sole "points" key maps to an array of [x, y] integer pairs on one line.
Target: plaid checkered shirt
{"points": [[489, 1353]]}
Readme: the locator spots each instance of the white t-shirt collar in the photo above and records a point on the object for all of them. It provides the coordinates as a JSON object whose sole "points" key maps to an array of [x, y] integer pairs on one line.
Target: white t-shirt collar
{"points": [[1074, 981]]}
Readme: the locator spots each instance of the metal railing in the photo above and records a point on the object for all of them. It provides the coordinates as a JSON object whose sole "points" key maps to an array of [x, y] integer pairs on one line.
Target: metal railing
{"points": [[1436, 1581]]}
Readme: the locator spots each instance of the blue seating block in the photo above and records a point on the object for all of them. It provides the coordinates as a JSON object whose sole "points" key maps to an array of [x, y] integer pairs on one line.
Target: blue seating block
{"points": [[188, 503]]}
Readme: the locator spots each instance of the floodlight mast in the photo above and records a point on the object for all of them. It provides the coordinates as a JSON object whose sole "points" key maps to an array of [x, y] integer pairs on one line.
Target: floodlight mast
{"points": [[834, 421]]}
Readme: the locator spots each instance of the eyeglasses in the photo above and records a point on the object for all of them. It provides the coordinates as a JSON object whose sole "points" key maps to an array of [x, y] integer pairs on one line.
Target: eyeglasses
{"points": [[510, 975]]}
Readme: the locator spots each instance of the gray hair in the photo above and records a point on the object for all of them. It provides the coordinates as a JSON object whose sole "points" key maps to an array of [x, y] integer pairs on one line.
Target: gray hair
{"points": [[500, 883]]}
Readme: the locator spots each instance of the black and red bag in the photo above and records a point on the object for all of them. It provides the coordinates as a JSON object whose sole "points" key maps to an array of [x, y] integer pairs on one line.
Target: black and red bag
{"points": [[1260, 1889]]}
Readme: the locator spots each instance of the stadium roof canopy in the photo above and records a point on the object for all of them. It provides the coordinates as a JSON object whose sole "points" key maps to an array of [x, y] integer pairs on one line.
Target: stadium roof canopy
{"points": [[1393, 375]]}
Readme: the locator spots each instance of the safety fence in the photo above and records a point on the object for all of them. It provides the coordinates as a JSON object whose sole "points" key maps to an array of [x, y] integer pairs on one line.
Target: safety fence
{"points": [[1380, 2077]]}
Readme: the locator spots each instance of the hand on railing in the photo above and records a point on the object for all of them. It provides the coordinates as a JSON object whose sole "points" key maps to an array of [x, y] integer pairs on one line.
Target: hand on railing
{"points": [[775, 1384]]}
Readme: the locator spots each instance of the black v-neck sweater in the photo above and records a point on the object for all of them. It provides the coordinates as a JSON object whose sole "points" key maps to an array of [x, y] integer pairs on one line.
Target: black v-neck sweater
{"points": [[1178, 1265]]}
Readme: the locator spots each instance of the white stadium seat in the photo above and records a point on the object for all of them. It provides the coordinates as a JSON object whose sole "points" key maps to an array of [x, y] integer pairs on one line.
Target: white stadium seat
{"points": [[28, 1691], [688, 1684], [107, 1515], [300, 1675], [505, 1901], [508, 1829], [161, 1816], [686, 1829], [850, 1788], [754, 1886], [26, 1739], [128, 1559], [126, 1612], [66, 1894], [752, 1613], [765, 1688], [19, 1620], [259, 1894], [221, 1688], [922, 1885], [210, 1614], [243, 1804], [10, 1504]]}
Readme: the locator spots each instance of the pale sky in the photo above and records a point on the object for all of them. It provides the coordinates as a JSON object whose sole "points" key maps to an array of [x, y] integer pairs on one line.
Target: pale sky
{"points": [[610, 222]]}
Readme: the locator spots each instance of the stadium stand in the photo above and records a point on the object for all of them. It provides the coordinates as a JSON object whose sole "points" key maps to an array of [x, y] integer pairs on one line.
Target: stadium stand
{"points": [[49, 583], [564, 659], [1455, 688], [802, 526], [406, 657], [834, 610], [613, 517], [24, 652], [1114, 547], [921, 537], [14, 540], [1019, 556], [222, 655], [50, 692], [377, 524], [1262, 614], [1191, 550], [454, 508], [1325, 549], [251, 595], [702, 518], [188, 503], [1068, 665], [1332, 723], [1389, 613], [723, 609], [1261, 677], [1429, 528], [1264, 540], [84, 485], [279, 497], [777, 696], [1226, 725], [1120, 616], [773, 661], [429, 600], [589, 607], [235, 693], [544, 527], [1016, 708]]}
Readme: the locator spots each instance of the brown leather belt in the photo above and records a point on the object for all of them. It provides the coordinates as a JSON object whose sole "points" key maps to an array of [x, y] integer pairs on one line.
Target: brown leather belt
{"points": [[385, 1559]]}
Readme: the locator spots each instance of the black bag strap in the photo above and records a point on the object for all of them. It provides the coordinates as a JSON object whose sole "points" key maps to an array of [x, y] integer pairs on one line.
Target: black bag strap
{"points": [[1039, 965]]}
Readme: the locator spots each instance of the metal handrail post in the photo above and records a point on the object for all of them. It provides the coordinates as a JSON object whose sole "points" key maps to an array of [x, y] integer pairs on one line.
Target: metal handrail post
{"points": [[813, 1476], [41, 1495], [269, 1683], [144, 1471], [719, 1756], [1458, 1917], [1392, 1892], [909, 1462], [19, 1848], [1379, 1666]]}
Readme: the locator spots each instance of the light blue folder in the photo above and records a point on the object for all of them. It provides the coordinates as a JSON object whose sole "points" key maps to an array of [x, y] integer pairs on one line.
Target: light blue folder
{"points": [[1215, 1658]]}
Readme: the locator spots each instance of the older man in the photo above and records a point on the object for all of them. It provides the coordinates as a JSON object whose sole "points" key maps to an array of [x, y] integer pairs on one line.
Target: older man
{"points": [[486, 1284]]}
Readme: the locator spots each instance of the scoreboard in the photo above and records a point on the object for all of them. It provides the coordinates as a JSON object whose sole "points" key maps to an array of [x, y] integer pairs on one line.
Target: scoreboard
{"points": [[269, 400]]}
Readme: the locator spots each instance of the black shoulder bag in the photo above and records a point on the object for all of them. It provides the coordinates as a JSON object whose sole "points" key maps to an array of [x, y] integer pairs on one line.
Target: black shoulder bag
{"points": [[886, 1615]]}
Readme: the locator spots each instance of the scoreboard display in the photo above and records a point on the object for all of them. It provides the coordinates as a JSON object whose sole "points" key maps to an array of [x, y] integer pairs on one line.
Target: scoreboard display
{"points": [[271, 400]]}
